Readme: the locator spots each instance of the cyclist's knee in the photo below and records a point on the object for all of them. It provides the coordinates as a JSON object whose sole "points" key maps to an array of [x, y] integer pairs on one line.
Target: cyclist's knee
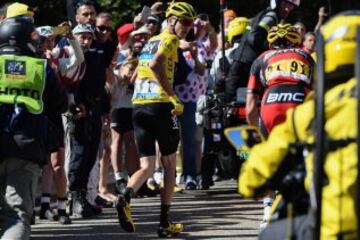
{"points": [[147, 164]]}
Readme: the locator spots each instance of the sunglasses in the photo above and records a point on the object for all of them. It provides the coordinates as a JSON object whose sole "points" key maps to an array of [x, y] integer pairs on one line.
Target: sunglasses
{"points": [[186, 22], [152, 22], [104, 28]]}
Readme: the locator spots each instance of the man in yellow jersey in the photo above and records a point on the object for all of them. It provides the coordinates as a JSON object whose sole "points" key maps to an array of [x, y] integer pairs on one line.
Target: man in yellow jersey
{"points": [[156, 108]]}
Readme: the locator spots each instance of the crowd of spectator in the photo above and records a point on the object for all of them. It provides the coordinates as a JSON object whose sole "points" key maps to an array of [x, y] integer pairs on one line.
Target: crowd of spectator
{"points": [[95, 64]]}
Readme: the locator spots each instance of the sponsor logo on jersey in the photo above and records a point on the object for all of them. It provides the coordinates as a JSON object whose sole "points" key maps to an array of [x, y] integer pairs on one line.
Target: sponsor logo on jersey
{"points": [[15, 70]]}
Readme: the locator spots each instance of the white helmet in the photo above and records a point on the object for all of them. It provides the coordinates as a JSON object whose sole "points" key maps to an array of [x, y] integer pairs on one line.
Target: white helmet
{"points": [[275, 3]]}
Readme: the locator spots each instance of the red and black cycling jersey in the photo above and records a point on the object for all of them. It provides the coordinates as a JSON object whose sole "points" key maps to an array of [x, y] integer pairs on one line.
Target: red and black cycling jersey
{"points": [[283, 78], [285, 66]]}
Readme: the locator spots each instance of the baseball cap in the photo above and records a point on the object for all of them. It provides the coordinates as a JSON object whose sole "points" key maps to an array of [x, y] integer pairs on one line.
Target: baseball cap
{"points": [[123, 32], [142, 30], [18, 9], [153, 18], [129, 41], [83, 28], [45, 31]]}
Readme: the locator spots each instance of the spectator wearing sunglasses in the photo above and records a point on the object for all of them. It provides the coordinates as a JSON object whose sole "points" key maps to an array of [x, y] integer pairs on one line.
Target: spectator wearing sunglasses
{"points": [[103, 34], [153, 24], [98, 177]]}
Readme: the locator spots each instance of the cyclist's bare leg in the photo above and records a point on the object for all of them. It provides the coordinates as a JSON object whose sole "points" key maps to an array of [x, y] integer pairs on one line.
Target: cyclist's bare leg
{"points": [[169, 165]]}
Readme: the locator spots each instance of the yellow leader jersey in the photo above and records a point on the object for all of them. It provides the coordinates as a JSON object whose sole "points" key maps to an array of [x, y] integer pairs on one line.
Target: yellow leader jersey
{"points": [[147, 87]]}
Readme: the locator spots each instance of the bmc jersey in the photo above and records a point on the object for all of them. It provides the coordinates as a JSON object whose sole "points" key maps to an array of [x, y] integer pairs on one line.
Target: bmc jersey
{"points": [[283, 78], [147, 87]]}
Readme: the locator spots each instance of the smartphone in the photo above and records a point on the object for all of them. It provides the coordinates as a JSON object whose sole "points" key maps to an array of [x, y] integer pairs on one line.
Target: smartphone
{"points": [[190, 37], [61, 30], [145, 13]]}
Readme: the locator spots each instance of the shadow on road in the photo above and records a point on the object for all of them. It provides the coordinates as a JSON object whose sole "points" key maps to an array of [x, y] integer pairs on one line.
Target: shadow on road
{"points": [[214, 214]]}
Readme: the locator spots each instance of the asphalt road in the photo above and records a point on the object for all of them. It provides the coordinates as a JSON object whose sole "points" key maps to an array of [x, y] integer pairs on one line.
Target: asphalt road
{"points": [[219, 213]]}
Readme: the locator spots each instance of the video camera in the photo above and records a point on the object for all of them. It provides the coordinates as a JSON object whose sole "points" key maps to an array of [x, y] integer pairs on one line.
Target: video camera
{"points": [[219, 115]]}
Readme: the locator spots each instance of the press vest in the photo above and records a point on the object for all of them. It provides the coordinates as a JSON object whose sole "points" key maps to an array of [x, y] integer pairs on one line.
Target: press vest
{"points": [[22, 81]]}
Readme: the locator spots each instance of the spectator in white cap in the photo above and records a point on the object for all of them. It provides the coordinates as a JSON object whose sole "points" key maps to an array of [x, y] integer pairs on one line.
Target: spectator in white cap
{"points": [[153, 24], [134, 44], [47, 40], [84, 34]]}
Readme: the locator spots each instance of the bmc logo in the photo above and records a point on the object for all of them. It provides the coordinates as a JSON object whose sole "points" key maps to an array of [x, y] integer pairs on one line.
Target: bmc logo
{"points": [[285, 97]]}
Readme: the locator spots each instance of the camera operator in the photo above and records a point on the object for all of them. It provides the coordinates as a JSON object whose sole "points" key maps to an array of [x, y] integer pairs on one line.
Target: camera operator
{"points": [[29, 91], [253, 43], [235, 31]]}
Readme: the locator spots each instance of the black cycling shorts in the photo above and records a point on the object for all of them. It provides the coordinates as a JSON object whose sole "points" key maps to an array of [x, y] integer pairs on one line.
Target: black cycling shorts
{"points": [[121, 120], [154, 122]]}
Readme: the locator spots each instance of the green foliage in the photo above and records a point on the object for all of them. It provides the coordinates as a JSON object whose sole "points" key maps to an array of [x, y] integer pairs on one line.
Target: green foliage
{"points": [[52, 12], [122, 10]]}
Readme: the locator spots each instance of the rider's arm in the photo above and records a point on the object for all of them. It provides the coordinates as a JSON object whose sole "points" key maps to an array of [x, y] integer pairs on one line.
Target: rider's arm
{"points": [[254, 90], [167, 51], [157, 65], [252, 111]]}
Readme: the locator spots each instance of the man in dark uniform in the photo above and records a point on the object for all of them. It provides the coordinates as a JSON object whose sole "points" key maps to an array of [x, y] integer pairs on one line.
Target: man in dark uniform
{"points": [[253, 43], [28, 91]]}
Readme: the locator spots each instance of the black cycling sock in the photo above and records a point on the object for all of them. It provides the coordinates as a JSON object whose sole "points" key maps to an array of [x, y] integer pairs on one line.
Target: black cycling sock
{"points": [[128, 194], [61, 203], [164, 215], [61, 212], [45, 200]]}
